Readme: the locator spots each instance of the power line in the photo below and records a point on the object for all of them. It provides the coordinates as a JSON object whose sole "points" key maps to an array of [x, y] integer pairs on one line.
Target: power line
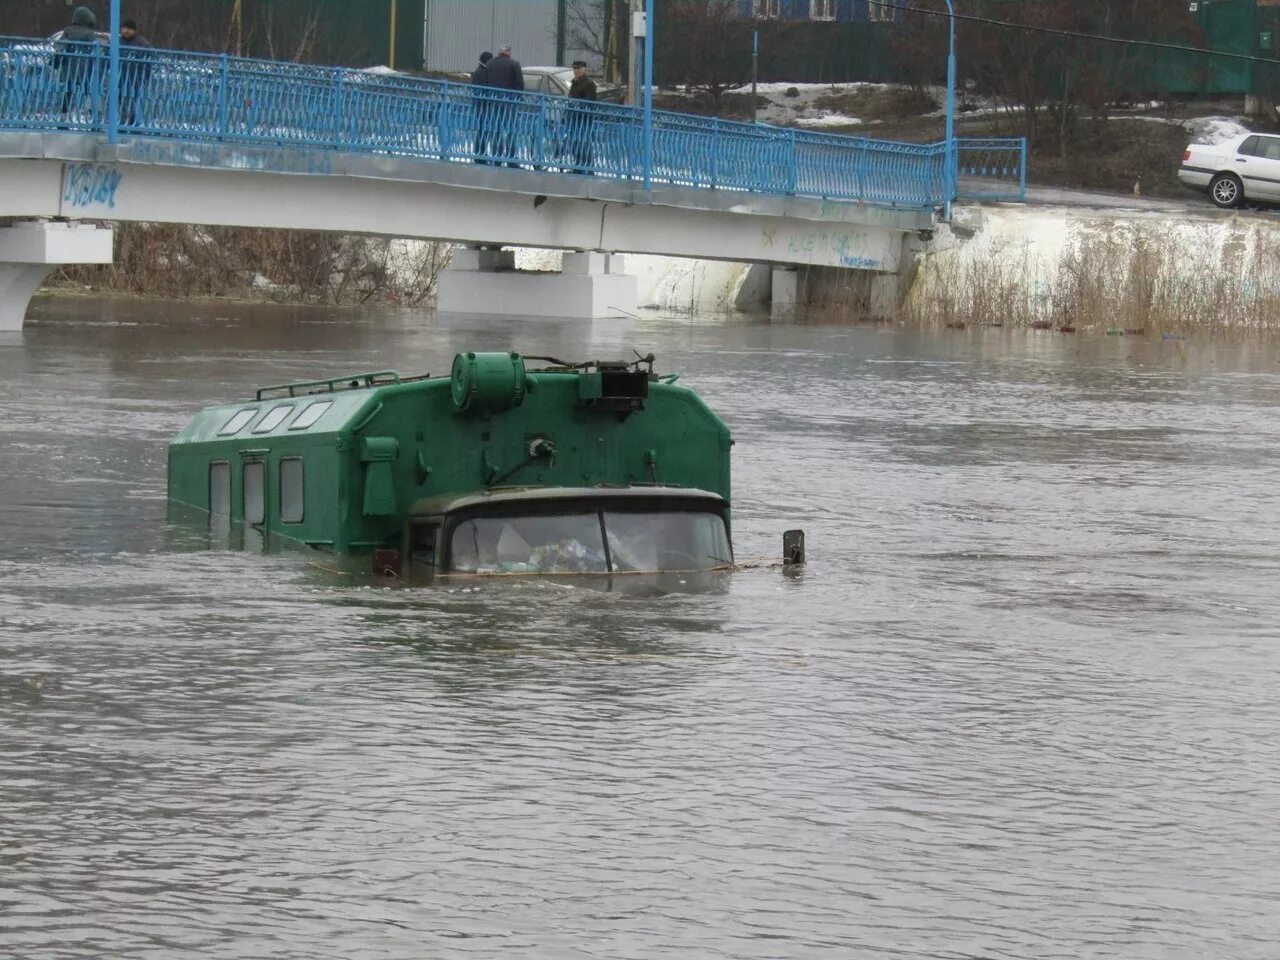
{"points": [[1075, 34]]}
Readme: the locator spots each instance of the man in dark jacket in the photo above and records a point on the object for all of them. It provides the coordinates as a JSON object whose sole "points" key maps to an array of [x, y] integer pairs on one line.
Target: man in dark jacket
{"points": [[77, 50], [480, 75], [83, 29], [504, 73], [483, 108], [135, 71], [581, 117]]}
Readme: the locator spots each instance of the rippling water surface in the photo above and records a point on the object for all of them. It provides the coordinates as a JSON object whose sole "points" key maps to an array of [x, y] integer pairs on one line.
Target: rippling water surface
{"points": [[1023, 702]]}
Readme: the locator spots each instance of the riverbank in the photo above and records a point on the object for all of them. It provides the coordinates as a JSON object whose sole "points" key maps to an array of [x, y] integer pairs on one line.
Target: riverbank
{"points": [[1070, 260], [172, 261], [1136, 147], [1079, 269], [1155, 267]]}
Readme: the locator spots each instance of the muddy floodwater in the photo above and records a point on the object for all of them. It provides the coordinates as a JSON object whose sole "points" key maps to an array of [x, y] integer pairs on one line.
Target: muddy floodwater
{"points": [[1024, 701]]}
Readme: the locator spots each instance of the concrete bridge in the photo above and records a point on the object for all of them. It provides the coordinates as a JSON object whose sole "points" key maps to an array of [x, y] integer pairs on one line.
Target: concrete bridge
{"points": [[200, 139]]}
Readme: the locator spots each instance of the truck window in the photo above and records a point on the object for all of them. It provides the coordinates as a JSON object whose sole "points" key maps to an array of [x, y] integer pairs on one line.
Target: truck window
{"points": [[553, 543], [640, 541], [423, 542], [255, 495], [292, 490], [220, 488], [656, 541]]}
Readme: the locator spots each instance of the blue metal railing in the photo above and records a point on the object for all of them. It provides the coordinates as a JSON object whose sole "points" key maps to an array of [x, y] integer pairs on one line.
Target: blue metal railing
{"points": [[217, 98], [993, 169]]}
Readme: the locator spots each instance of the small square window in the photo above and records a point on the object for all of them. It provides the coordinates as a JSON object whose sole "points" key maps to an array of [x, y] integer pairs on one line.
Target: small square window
{"points": [[761, 9], [822, 9], [880, 12], [311, 415], [275, 416], [237, 422], [255, 498], [292, 490], [220, 488]]}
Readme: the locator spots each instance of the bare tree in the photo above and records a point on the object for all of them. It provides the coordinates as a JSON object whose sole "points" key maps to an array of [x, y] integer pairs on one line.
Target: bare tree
{"points": [[704, 46], [1049, 82], [601, 29]]}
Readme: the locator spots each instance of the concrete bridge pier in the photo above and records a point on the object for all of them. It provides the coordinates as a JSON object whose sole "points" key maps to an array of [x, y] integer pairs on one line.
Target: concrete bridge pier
{"points": [[590, 285], [785, 291], [858, 292], [29, 249]]}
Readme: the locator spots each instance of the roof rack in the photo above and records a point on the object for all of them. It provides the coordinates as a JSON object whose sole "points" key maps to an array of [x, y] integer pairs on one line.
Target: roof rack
{"points": [[595, 366], [353, 381]]}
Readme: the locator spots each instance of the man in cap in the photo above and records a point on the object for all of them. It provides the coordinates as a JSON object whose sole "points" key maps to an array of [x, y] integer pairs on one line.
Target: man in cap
{"points": [[135, 71], [582, 117]]}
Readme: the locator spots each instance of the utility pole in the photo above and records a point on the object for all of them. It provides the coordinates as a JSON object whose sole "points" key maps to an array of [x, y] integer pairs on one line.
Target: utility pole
{"points": [[953, 173], [610, 65], [755, 75], [237, 27], [650, 15], [113, 89], [562, 26], [633, 60], [391, 42]]}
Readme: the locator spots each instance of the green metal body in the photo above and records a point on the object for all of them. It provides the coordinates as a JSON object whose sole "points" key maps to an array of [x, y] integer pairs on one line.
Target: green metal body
{"points": [[384, 443]]}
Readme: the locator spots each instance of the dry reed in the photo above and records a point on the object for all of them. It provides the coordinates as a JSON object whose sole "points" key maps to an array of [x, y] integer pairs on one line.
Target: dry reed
{"points": [[1123, 277], [173, 261]]}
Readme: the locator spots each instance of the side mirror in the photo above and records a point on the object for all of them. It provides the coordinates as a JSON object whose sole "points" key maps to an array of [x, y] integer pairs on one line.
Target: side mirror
{"points": [[793, 548], [386, 562]]}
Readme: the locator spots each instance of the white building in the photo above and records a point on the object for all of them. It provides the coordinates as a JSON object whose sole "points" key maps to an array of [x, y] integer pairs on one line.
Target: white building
{"points": [[539, 31]]}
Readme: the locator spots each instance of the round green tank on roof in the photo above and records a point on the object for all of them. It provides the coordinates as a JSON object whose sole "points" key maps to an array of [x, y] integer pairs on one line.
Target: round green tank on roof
{"points": [[485, 383]]}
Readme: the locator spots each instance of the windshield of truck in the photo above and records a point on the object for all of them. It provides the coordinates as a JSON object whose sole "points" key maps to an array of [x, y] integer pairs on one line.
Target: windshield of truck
{"points": [[637, 542], [642, 542]]}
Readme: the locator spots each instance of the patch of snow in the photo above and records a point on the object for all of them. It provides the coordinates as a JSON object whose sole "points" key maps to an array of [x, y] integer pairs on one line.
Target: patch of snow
{"points": [[1169, 121], [810, 90], [676, 284], [1215, 130], [829, 120], [976, 107], [382, 71]]}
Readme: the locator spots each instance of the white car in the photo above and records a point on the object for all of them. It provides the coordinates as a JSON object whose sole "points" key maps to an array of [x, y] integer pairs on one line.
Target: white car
{"points": [[1243, 168]]}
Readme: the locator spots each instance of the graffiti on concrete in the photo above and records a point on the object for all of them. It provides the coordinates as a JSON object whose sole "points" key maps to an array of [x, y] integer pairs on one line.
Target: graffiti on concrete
{"points": [[89, 185], [846, 248]]}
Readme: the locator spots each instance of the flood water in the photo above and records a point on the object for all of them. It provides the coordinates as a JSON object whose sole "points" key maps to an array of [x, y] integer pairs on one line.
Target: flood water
{"points": [[1024, 701]]}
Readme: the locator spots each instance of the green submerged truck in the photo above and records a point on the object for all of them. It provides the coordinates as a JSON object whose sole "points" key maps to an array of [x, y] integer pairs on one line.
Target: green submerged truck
{"points": [[591, 468]]}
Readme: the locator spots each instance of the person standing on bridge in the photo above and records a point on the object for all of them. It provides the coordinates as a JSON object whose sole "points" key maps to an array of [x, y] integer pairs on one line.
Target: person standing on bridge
{"points": [[76, 59], [135, 71], [582, 119], [483, 108], [504, 73]]}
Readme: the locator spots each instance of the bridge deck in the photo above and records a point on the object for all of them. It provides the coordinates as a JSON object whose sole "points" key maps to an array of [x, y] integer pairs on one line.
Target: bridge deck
{"points": [[217, 99]]}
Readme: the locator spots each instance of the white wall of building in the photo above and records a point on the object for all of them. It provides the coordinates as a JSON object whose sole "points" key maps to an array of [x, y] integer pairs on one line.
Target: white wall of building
{"points": [[456, 31]]}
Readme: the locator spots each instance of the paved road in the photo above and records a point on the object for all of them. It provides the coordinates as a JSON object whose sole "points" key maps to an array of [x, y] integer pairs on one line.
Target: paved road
{"points": [[1190, 205]]}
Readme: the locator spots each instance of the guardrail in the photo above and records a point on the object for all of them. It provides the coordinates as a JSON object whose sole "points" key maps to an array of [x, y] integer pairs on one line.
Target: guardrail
{"points": [[46, 85], [994, 169]]}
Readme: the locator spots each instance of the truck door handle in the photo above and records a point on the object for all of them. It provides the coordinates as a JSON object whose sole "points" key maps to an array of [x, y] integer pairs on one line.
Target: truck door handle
{"points": [[1241, 161]]}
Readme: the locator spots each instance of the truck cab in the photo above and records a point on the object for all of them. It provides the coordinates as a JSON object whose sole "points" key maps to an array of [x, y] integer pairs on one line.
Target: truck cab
{"points": [[559, 531]]}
